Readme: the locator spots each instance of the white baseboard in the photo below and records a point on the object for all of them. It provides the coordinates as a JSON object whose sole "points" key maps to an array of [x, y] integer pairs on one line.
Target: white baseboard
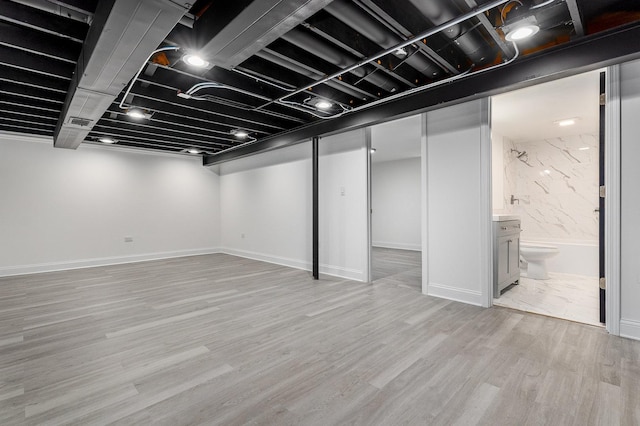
{"points": [[278, 260], [398, 246], [630, 329], [336, 271], [452, 293], [102, 261]]}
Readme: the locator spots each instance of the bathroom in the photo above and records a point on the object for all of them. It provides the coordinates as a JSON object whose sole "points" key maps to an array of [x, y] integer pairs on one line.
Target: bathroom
{"points": [[545, 162]]}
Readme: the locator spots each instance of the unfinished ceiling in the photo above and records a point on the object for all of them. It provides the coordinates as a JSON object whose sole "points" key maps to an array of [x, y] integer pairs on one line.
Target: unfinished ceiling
{"points": [[76, 70]]}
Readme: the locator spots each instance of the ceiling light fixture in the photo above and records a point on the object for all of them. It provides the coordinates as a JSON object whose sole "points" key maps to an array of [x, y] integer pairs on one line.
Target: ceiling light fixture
{"points": [[106, 139], [373, 150], [239, 133], [195, 60], [401, 52], [137, 113], [193, 151], [583, 148], [566, 122], [520, 29], [521, 32], [323, 105]]}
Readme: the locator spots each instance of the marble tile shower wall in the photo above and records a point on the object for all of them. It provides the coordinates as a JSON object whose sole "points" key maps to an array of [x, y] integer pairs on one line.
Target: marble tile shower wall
{"points": [[556, 187]]}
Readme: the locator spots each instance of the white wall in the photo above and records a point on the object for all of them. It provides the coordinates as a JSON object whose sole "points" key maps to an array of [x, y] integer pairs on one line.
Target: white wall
{"points": [[62, 209], [344, 216], [266, 206], [267, 197], [395, 199], [630, 201], [458, 205]]}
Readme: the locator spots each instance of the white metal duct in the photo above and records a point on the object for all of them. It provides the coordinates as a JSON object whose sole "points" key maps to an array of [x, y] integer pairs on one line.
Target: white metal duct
{"points": [[257, 25], [121, 38]]}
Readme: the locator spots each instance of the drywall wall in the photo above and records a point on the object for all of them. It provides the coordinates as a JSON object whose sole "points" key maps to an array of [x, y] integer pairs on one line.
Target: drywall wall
{"points": [[62, 209], [458, 171], [267, 208], [344, 216], [630, 201], [395, 201]]}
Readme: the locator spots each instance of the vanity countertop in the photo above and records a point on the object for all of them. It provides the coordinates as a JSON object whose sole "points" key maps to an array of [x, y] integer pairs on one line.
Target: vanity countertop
{"points": [[501, 217]]}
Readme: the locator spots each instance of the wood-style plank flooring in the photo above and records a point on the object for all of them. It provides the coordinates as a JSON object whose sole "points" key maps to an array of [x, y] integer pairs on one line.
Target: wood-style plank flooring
{"points": [[400, 267], [219, 339]]}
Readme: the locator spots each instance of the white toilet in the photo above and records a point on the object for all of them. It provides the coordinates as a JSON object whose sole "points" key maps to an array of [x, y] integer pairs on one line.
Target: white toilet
{"points": [[536, 255]]}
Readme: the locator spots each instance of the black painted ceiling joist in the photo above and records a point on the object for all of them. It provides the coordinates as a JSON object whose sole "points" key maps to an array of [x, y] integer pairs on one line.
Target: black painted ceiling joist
{"points": [[614, 46], [34, 80], [44, 22], [31, 62], [22, 38]]}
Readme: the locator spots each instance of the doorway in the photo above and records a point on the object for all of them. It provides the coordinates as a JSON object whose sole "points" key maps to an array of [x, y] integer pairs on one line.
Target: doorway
{"points": [[546, 157], [395, 177]]}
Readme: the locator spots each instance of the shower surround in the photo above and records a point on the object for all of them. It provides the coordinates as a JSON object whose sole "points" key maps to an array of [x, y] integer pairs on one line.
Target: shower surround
{"points": [[555, 188]]}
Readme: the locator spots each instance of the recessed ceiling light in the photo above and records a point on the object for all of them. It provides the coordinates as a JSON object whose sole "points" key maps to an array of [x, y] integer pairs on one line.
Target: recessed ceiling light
{"points": [[566, 122], [193, 151], [106, 139], [322, 104], [239, 133], [195, 60], [136, 113], [401, 53], [521, 32]]}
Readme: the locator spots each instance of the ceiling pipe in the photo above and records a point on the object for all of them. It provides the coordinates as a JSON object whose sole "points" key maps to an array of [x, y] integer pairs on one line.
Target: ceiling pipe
{"points": [[362, 22], [462, 34], [337, 57], [268, 56], [431, 31]]}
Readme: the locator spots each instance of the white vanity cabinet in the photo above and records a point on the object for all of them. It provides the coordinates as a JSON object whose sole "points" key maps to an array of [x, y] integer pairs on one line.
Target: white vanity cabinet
{"points": [[506, 254]]}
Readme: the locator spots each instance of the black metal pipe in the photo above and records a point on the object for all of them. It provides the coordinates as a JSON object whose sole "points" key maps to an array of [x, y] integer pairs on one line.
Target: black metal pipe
{"points": [[316, 216], [355, 17]]}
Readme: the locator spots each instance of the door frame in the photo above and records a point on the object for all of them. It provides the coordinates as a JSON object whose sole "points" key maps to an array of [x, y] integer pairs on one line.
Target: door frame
{"points": [[612, 202], [612, 199]]}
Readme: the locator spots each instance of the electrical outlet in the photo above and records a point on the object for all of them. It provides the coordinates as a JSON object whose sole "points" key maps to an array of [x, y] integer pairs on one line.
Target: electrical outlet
{"points": [[128, 239]]}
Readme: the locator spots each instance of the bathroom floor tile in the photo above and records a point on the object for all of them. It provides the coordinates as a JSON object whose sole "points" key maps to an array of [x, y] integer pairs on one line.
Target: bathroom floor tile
{"points": [[566, 296]]}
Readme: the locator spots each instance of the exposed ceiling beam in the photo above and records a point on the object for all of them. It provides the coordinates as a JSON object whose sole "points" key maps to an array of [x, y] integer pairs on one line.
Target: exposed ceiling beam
{"points": [[256, 117], [385, 19], [575, 17], [123, 35], [233, 31], [586, 54], [33, 63], [22, 38], [32, 79], [29, 92], [506, 49], [338, 33], [42, 21]]}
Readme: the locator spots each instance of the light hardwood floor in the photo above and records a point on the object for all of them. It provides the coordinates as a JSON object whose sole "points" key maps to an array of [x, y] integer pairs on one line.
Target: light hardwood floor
{"points": [[223, 340]]}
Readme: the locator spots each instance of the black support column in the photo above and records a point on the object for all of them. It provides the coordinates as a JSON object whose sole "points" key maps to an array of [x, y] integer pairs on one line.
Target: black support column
{"points": [[316, 217]]}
